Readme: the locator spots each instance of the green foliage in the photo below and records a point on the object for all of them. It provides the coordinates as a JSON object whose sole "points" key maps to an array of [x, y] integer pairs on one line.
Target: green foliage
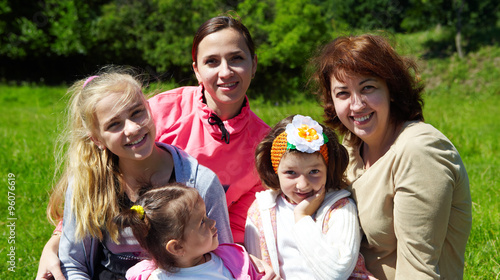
{"points": [[424, 14], [70, 38], [156, 33], [369, 15], [286, 34], [18, 34]]}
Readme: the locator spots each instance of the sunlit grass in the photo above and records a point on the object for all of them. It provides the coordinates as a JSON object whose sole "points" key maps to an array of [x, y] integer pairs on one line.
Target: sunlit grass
{"points": [[462, 101]]}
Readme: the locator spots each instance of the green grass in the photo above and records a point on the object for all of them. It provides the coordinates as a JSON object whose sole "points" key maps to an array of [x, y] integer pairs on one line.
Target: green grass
{"points": [[462, 101], [28, 128]]}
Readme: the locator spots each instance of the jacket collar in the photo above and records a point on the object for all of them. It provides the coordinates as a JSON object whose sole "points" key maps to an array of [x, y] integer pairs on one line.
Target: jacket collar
{"points": [[233, 125]]}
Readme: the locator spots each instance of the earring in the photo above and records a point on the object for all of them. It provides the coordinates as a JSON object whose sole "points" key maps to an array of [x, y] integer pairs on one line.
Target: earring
{"points": [[100, 147]]}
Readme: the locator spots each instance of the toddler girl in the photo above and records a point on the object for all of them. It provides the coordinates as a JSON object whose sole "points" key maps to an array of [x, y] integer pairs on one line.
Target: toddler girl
{"points": [[305, 224], [171, 224]]}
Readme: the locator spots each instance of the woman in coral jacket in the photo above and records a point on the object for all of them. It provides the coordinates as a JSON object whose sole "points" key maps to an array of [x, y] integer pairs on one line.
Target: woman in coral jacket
{"points": [[213, 121]]}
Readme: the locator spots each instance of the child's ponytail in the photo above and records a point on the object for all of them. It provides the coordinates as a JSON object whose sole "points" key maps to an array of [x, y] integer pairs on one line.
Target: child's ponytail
{"points": [[135, 218], [158, 216]]}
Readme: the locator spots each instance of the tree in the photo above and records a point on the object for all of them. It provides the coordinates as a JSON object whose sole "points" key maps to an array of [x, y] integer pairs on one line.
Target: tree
{"points": [[465, 17], [156, 34], [368, 15], [286, 34]]}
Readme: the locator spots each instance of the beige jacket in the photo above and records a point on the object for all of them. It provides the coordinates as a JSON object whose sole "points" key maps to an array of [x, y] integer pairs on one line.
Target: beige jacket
{"points": [[414, 206]]}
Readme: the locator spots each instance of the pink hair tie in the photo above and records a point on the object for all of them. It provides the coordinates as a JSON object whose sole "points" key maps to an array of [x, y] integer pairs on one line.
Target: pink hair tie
{"points": [[88, 80]]}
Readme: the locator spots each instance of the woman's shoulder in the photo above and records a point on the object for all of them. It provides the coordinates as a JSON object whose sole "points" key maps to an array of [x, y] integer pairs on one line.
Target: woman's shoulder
{"points": [[171, 99], [422, 144], [186, 92], [412, 129], [417, 135]]}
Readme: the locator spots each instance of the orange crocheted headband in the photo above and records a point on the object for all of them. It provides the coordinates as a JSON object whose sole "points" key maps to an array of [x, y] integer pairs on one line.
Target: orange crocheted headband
{"points": [[303, 134]]}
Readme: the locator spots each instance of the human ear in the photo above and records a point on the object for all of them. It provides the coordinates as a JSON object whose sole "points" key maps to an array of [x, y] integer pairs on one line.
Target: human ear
{"points": [[175, 248], [197, 73], [97, 142], [254, 65]]}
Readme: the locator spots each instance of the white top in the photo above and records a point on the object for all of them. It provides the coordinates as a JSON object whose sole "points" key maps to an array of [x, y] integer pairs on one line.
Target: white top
{"points": [[213, 269], [332, 255], [291, 261]]}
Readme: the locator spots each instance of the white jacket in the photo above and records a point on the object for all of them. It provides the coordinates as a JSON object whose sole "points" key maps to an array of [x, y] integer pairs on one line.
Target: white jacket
{"points": [[330, 255]]}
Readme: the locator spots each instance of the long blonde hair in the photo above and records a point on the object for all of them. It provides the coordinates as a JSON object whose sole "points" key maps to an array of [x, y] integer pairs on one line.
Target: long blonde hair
{"points": [[93, 173]]}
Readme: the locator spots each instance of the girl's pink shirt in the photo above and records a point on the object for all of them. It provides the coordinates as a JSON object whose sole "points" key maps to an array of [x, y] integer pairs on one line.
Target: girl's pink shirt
{"points": [[181, 118]]}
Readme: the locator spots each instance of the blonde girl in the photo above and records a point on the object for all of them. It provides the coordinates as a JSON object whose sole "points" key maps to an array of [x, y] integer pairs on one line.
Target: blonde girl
{"points": [[111, 154], [305, 226]]}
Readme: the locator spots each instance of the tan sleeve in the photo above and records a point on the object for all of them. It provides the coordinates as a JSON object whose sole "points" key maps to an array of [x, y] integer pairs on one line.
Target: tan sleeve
{"points": [[424, 178]]}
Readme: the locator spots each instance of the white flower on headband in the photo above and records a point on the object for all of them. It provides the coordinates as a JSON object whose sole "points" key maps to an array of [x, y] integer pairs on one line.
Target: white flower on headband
{"points": [[304, 134]]}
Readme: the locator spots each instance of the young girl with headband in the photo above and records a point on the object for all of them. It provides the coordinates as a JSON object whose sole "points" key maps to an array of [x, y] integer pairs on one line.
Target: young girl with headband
{"points": [[305, 225], [171, 224]]}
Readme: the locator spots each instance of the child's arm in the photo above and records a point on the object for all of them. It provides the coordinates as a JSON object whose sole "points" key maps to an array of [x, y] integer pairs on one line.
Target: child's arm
{"points": [[332, 255]]}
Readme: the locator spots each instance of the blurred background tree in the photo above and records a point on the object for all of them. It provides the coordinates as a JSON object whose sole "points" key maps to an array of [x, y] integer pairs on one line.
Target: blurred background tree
{"points": [[59, 41]]}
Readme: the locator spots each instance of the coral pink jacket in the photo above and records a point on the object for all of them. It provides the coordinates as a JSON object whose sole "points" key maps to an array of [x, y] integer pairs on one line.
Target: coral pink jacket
{"points": [[181, 118]]}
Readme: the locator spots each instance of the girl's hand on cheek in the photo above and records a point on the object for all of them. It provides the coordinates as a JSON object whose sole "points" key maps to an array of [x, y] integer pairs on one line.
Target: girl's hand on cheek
{"points": [[310, 205]]}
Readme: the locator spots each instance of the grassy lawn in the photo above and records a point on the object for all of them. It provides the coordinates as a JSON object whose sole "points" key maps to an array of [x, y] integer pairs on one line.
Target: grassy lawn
{"points": [[462, 101]]}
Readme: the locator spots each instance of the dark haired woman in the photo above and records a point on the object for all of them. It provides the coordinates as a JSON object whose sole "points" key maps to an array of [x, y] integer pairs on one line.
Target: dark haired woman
{"points": [[213, 121], [407, 178]]}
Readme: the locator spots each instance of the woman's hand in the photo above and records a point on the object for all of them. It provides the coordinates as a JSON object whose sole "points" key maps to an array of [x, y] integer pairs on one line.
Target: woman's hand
{"points": [[262, 267], [310, 205], [50, 266]]}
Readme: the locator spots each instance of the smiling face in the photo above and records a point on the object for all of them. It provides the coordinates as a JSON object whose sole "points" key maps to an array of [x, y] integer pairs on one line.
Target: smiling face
{"points": [[224, 65], [362, 104], [127, 131], [200, 233], [301, 175]]}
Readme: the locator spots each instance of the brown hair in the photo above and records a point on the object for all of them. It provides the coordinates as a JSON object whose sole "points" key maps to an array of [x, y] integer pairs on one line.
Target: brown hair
{"points": [[166, 213], [370, 55], [219, 23], [337, 158]]}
